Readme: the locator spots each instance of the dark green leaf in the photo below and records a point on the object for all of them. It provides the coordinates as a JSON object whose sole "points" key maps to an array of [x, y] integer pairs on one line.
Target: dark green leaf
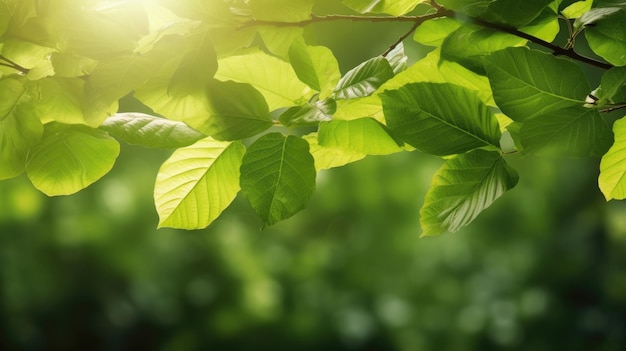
{"points": [[278, 176], [150, 131], [441, 119], [364, 79], [574, 132], [462, 188], [530, 83], [515, 13]]}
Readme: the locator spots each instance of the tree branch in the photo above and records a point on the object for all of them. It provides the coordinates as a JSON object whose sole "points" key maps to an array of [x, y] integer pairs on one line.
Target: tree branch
{"points": [[557, 50], [418, 20], [332, 18]]}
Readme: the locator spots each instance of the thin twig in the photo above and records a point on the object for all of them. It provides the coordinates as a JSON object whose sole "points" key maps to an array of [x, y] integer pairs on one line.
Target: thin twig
{"points": [[401, 39], [557, 50], [331, 18], [613, 108], [418, 20]]}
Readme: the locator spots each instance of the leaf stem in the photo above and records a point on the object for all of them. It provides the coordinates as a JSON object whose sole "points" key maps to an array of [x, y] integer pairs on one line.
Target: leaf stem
{"points": [[11, 64]]}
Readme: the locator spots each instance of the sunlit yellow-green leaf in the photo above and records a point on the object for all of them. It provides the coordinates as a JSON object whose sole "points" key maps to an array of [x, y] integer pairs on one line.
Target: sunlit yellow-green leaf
{"points": [[197, 183], [612, 180], [316, 66], [326, 158], [19, 127], [69, 158], [274, 78], [363, 135]]}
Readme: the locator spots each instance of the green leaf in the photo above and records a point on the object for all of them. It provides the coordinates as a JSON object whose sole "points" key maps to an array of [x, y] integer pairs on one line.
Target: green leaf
{"points": [[469, 7], [197, 183], [434, 31], [316, 66], [469, 44], [612, 87], [362, 135], [574, 132], [278, 176], [545, 26], [326, 158], [612, 180], [364, 79], [391, 7], [440, 119], [310, 114], [607, 38], [149, 131], [60, 99], [462, 188], [69, 158], [278, 40], [397, 59], [19, 127], [577, 9], [515, 13], [432, 69], [530, 83], [71, 66], [594, 15], [197, 66], [274, 78], [237, 111], [113, 79]]}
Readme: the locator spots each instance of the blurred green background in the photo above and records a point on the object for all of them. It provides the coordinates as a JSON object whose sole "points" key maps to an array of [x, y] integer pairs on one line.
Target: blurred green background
{"points": [[543, 269]]}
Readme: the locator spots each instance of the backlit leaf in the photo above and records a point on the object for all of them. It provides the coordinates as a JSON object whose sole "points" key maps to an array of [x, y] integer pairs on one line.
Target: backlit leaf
{"points": [[362, 135], [316, 66], [69, 158], [392, 7], [612, 180], [462, 188], [20, 128], [326, 157], [274, 78], [197, 183]]}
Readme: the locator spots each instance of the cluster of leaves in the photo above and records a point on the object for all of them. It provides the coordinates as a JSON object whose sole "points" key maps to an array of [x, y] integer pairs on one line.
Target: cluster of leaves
{"points": [[250, 106]]}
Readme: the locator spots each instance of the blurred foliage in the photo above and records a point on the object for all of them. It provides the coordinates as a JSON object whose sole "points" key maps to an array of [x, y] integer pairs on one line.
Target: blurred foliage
{"points": [[543, 270]]}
